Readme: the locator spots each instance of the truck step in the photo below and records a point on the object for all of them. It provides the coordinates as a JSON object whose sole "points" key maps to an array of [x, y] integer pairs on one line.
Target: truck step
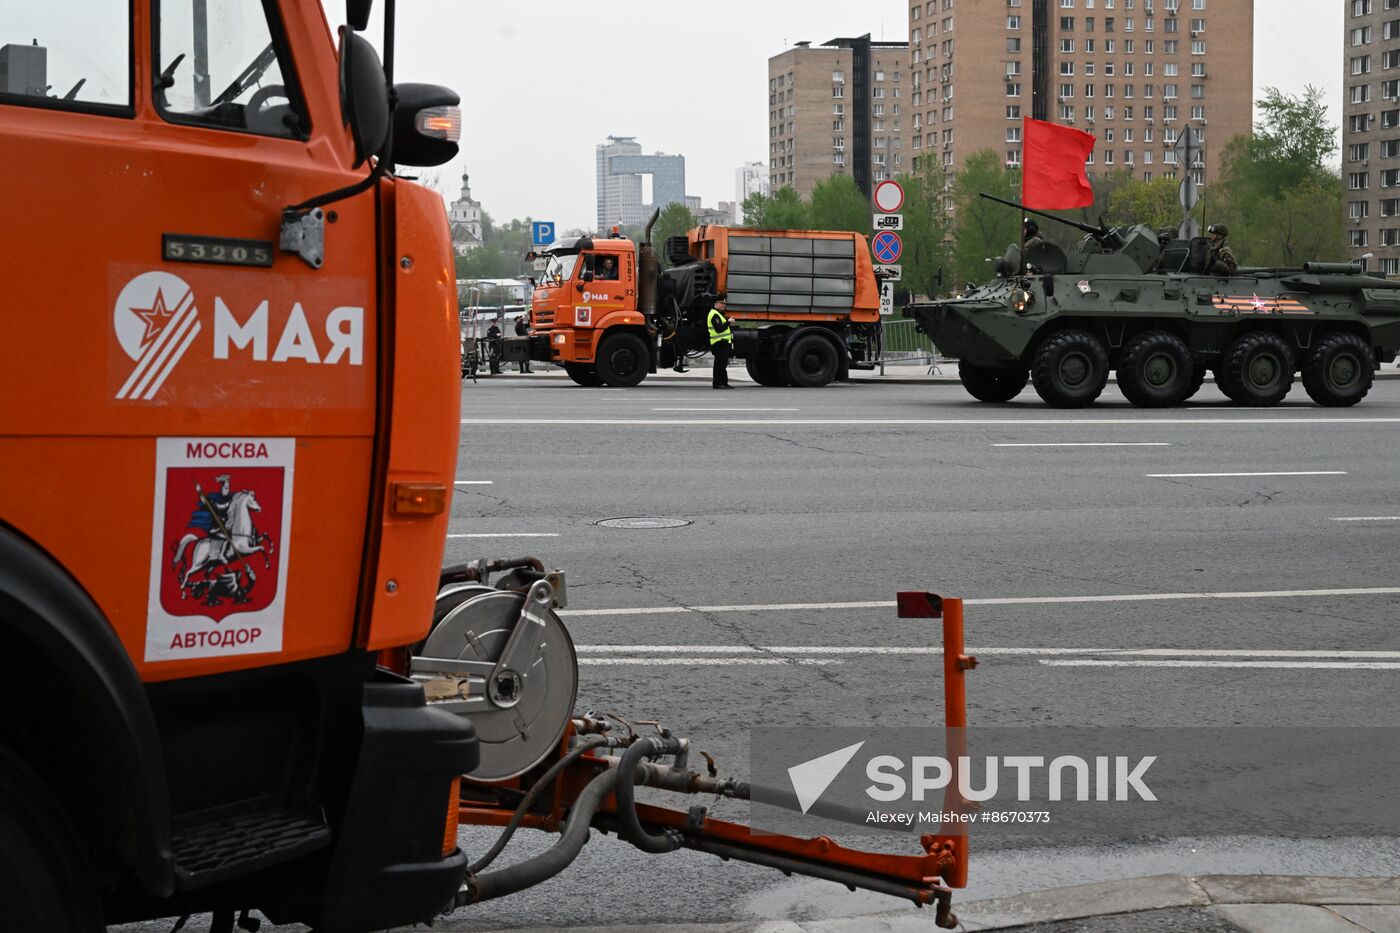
{"points": [[222, 842]]}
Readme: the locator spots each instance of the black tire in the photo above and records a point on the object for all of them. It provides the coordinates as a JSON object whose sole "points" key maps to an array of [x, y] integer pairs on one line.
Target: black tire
{"points": [[1070, 369], [45, 881], [1198, 379], [623, 360], [1257, 369], [766, 372], [583, 374], [1154, 370], [1339, 370], [812, 361], [992, 383]]}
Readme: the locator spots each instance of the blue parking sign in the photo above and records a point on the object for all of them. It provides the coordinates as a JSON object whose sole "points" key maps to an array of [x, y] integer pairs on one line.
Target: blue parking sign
{"points": [[542, 232]]}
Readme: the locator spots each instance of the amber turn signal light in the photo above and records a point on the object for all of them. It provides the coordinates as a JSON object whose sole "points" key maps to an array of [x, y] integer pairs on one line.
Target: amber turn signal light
{"points": [[419, 499]]}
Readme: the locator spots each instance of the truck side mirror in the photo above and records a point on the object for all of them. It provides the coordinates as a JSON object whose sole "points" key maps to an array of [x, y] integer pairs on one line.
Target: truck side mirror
{"points": [[357, 13], [587, 276], [364, 95], [427, 124]]}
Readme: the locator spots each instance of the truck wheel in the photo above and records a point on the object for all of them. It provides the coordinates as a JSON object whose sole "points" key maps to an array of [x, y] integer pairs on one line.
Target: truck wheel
{"points": [[45, 883], [812, 361], [992, 383], [766, 372], [583, 374], [623, 360], [1198, 379], [1070, 369], [1257, 369], [1339, 371], [1154, 370]]}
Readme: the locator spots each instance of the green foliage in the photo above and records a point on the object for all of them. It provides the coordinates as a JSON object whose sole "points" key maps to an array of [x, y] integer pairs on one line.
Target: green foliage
{"points": [[983, 229], [928, 249], [837, 204], [783, 209], [675, 220], [1282, 202], [1155, 203]]}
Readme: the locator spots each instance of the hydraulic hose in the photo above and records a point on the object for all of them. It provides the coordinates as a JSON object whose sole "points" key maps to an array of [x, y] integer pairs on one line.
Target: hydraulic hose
{"points": [[547, 864], [629, 826], [538, 788]]}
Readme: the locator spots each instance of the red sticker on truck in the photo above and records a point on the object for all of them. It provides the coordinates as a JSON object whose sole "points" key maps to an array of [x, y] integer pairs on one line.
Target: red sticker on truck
{"points": [[219, 546]]}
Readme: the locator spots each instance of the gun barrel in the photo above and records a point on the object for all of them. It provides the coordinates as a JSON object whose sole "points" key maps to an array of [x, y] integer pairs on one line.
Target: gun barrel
{"points": [[1087, 228]]}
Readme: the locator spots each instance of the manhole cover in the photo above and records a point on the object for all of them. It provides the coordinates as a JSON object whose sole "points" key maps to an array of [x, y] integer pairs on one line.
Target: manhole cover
{"points": [[643, 522]]}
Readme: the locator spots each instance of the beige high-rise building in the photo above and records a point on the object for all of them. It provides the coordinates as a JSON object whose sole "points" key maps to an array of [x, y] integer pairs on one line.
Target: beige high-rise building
{"points": [[1371, 132], [837, 109], [1132, 72]]}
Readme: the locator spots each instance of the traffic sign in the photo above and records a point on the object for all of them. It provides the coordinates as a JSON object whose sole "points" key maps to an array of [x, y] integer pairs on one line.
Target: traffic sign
{"points": [[542, 232], [1187, 148], [887, 299], [889, 196], [1188, 193], [887, 246], [890, 273], [888, 222]]}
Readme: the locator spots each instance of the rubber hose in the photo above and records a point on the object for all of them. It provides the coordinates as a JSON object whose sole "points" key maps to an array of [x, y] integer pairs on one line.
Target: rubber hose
{"points": [[558, 857], [538, 788], [629, 826]]}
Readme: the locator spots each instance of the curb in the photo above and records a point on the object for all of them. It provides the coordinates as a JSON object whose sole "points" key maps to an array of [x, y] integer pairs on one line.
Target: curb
{"points": [[743, 380]]}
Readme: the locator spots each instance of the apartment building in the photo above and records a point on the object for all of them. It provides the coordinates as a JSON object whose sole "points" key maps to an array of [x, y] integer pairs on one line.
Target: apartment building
{"points": [[836, 109], [1132, 72], [1371, 132]]}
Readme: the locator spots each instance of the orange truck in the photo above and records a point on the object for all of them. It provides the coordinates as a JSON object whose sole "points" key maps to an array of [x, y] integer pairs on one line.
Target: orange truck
{"points": [[238, 674], [805, 304]]}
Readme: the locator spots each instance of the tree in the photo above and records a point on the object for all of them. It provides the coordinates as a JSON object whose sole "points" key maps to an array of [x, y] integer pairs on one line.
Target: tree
{"points": [[783, 209], [983, 229], [927, 245], [1155, 203], [675, 220], [837, 204]]}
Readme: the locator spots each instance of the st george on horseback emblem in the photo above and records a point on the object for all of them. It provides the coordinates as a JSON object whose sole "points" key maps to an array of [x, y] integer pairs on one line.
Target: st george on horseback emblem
{"points": [[222, 514], [217, 558]]}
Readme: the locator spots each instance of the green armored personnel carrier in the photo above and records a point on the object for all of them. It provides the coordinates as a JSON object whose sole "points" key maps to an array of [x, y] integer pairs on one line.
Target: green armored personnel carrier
{"points": [[1122, 301]]}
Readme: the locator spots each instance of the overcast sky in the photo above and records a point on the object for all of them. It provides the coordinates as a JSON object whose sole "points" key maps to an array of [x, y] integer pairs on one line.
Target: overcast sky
{"points": [[543, 83]]}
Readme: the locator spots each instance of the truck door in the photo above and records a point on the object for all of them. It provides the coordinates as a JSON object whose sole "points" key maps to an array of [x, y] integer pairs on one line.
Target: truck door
{"points": [[204, 401]]}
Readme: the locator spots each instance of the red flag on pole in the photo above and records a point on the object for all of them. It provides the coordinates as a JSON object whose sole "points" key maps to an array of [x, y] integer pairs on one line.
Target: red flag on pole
{"points": [[1052, 171]]}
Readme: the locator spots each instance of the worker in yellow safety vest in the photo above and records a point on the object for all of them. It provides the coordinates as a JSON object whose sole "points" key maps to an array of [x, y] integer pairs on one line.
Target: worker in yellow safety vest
{"points": [[721, 344]]}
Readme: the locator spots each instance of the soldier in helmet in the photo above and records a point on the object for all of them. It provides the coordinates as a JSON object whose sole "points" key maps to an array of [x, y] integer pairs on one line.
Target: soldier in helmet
{"points": [[1032, 231], [1220, 260]]}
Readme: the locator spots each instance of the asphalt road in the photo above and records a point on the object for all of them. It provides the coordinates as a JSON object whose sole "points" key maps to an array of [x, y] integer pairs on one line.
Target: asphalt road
{"points": [[1082, 548]]}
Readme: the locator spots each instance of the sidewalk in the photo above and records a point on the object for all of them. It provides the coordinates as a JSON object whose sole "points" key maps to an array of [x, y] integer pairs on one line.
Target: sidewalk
{"points": [[1159, 903], [898, 373]]}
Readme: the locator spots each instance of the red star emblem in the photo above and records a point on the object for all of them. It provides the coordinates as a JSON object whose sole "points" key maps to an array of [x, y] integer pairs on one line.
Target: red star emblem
{"points": [[1259, 303], [156, 317]]}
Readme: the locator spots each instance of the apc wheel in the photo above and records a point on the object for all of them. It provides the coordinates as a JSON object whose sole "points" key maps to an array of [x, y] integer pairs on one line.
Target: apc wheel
{"points": [[1339, 371], [1198, 379], [45, 882], [1155, 371], [812, 361], [623, 360], [1070, 369], [766, 372], [583, 374], [1257, 369], [992, 383]]}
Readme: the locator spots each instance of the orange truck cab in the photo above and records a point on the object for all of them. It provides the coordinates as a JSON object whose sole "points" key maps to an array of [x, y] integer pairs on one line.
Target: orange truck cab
{"points": [[804, 304], [228, 353]]}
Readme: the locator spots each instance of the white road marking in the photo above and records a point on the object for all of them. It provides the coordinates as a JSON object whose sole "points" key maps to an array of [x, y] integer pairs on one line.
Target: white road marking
{"points": [[1105, 444], [924, 422], [510, 534], [710, 662], [1284, 473], [474, 482], [1265, 665], [1369, 518], [917, 650], [995, 601]]}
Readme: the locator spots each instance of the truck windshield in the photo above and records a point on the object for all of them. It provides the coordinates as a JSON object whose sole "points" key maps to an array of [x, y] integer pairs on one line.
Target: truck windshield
{"points": [[560, 268]]}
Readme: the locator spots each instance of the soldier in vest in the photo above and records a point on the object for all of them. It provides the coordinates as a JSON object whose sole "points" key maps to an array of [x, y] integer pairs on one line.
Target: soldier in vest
{"points": [[1220, 260], [721, 343]]}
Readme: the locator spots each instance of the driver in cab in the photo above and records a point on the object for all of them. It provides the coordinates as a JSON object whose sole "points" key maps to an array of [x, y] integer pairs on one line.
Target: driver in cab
{"points": [[607, 270]]}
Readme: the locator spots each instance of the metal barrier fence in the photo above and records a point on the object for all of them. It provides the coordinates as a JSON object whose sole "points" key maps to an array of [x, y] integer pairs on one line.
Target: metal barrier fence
{"points": [[901, 342]]}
